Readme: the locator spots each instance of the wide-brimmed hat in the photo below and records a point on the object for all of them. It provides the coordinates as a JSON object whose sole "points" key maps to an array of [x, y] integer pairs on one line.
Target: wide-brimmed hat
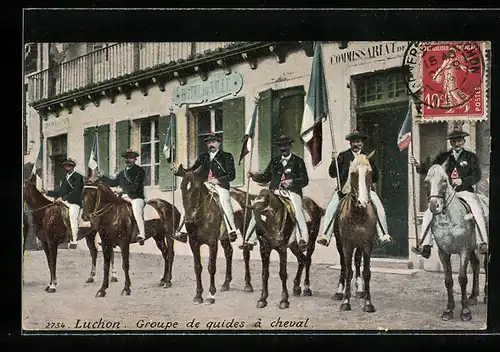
{"points": [[69, 162], [283, 140], [212, 137], [355, 135], [130, 154], [456, 134]]}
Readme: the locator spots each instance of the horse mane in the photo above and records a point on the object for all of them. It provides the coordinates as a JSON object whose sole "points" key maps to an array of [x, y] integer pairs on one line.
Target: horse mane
{"points": [[437, 170], [359, 160], [36, 193], [108, 194]]}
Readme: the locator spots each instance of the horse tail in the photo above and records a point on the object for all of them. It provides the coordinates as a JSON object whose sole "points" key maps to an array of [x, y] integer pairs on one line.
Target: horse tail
{"points": [[165, 209]]}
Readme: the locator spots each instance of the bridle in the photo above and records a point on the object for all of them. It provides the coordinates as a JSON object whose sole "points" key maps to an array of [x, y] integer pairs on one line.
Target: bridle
{"points": [[98, 212], [447, 200]]}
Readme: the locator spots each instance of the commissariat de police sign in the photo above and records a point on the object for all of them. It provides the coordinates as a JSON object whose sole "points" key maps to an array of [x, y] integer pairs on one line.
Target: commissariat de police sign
{"points": [[218, 85]]}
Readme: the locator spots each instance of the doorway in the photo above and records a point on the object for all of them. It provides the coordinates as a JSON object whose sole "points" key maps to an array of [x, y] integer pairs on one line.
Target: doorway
{"points": [[57, 154]]}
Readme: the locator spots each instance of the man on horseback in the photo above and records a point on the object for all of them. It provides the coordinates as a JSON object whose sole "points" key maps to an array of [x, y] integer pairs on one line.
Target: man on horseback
{"points": [[344, 160], [69, 193], [463, 171], [130, 183], [284, 172], [218, 168]]}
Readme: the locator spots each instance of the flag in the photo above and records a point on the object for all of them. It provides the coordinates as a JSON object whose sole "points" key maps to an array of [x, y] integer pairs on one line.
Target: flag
{"points": [[316, 108], [38, 168], [168, 148], [248, 137], [404, 137], [93, 163]]}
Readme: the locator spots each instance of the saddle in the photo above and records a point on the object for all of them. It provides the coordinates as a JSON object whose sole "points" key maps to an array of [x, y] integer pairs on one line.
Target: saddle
{"points": [[66, 222], [290, 209]]}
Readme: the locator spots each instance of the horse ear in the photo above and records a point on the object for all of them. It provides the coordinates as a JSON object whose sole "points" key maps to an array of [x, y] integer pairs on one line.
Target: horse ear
{"points": [[198, 170], [371, 155], [181, 171]]}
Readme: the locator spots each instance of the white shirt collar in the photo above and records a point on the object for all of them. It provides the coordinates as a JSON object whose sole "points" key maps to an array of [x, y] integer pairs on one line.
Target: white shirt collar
{"points": [[69, 175], [456, 154], [213, 154], [286, 157], [355, 153]]}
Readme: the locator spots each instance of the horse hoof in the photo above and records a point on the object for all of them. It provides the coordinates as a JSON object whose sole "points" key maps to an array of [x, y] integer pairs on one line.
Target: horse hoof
{"points": [[198, 300], [100, 294], [114, 279], [248, 288], [233, 237], [210, 301], [447, 315], [472, 301], [89, 280], [338, 296], [51, 290], [360, 294], [126, 292], [465, 315], [261, 304], [307, 292], [345, 307], [369, 308], [224, 287], [297, 291], [161, 283], [47, 288], [284, 304], [167, 284]]}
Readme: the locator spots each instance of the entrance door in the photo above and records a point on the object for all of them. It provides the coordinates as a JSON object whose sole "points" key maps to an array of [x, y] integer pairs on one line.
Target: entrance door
{"points": [[58, 171], [57, 154], [382, 127]]}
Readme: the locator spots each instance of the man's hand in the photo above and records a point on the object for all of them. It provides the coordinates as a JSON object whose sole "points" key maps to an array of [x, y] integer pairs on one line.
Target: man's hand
{"points": [[250, 174], [43, 191], [174, 167], [58, 199], [456, 181], [256, 98], [334, 155], [414, 161], [214, 181], [118, 189], [286, 183]]}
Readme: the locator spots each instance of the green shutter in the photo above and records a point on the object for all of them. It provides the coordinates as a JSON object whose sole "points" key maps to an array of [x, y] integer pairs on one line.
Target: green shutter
{"points": [[165, 178], [264, 122], [88, 140], [123, 129], [233, 119], [291, 110], [103, 132]]}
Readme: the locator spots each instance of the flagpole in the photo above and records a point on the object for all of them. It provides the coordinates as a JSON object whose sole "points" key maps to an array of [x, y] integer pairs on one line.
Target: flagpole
{"points": [[413, 186], [172, 153]]}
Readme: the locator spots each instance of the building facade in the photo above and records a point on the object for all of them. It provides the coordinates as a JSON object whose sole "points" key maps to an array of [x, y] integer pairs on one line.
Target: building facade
{"points": [[128, 93]]}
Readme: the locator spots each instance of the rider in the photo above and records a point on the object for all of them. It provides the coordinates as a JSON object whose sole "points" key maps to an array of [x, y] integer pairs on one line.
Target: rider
{"points": [[286, 171], [463, 171], [344, 160], [218, 168], [70, 194], [130, 182]]}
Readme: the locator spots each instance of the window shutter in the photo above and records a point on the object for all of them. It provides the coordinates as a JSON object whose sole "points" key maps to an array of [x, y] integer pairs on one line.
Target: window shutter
{"points": [[265, 127], [123, 133], [233, 120], [166, 180], [103, 132], [291, 110], [88, 140]]}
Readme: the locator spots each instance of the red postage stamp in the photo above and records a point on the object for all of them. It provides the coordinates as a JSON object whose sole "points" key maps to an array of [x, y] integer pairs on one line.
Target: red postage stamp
{"points": [[453, 85]]}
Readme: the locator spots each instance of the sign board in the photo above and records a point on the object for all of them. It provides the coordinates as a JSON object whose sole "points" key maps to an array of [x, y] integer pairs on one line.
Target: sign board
{"points": [[218, 85]]}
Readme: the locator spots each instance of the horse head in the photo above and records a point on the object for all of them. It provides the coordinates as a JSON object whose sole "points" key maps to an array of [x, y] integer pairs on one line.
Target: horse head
{"points": [[192, 190], [265, 207], [360, 179], [438, 186], [95, 195]]}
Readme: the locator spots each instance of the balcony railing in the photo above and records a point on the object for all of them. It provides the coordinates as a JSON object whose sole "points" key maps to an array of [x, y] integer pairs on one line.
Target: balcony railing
{"points": [[110, 62]]}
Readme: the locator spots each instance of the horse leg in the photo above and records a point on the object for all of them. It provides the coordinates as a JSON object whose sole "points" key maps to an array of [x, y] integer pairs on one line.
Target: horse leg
{"points": [[307, 262], [47, 255], [301, 258], [125, 247], [448, 281], [170, 261], [228, 253], [348, 253], [284, 303], [248, 279], [265, 253], [485, 264], [93, 254], [341, 285], [114, 276], [367, 275], [195, 248], [212, 265], [474, 261], [360, 286], [160, 243], [465, 314], [107, 253], [53, 261]]}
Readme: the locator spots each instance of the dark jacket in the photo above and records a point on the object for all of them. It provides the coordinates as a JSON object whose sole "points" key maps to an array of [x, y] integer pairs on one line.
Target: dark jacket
{"points": [[131, 181], [222, 166], [344, 161], [70, 189], [467, 167], [273, 172]]}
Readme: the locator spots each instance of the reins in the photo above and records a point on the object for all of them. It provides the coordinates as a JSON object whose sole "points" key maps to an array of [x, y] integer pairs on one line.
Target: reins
{"points": [[98, 212], [447, 200], [43, 207]]}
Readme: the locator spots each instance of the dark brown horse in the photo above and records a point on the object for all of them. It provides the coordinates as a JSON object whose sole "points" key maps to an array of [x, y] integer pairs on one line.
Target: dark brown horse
{"points": [[274, 226], [117, 227], [203, 220], [356, 229]]}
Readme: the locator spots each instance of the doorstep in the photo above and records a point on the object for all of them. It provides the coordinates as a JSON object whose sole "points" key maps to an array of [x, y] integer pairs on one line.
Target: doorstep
{"points": [[386, 270]]}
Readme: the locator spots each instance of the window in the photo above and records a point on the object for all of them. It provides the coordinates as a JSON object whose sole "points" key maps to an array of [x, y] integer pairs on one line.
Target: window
{"points": [[385, 87], [150, 150], [208, 121]]}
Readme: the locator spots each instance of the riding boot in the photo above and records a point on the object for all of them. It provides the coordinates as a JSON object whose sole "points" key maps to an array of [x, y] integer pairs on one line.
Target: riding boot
{"points": [[181, 235], [425, 250], [330, 214], [382, 230], [250, 239]]}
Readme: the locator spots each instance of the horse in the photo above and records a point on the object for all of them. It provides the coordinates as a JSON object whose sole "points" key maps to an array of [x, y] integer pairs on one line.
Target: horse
{"points": [[454, 234], [356, 230], [274, 226], [203, 220], [116, 226]]}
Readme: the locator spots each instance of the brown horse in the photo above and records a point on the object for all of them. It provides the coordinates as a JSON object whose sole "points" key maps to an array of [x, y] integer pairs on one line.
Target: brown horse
{"points": [[117, 226], [274, 227], [356, 229], [203, 220]]}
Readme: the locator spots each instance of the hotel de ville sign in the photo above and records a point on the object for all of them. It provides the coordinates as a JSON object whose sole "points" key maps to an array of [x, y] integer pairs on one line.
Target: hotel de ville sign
{"points": [[217, 85]]}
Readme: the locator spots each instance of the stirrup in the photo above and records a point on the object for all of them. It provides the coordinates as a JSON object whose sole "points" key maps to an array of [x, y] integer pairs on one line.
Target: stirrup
{"points": [[323, 240], [246, 245]]}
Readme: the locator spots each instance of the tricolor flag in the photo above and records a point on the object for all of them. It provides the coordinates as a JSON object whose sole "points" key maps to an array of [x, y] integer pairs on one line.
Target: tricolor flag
{"points": [[93, 163], [404, 137], [168, 148], [248, 137], [316, 108], [38, 168]]}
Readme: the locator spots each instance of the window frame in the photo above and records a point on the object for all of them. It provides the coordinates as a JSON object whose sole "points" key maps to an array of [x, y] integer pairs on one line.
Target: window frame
{"points": [[387, 79], [195, 116], [154, 138]]}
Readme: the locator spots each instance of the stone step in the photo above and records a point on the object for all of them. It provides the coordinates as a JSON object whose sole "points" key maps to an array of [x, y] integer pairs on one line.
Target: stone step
{"points": [[386, 270]]}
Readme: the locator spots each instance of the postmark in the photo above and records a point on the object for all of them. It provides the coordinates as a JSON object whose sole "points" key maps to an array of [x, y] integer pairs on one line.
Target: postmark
{"points": [[448, 79]]}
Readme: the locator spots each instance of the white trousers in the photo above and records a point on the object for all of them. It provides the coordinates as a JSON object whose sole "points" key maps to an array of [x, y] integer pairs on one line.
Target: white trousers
{"points": [[332, 208], [479, 209], [74, 213], [301, 225], [138, 205]]}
